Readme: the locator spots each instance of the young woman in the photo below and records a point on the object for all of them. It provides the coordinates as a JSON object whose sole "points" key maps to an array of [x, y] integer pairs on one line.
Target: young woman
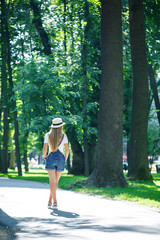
{"points": [[55, 161]]}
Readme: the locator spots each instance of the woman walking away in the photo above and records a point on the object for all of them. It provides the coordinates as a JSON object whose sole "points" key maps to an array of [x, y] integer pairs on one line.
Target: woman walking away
{"points": [[55, 161]]}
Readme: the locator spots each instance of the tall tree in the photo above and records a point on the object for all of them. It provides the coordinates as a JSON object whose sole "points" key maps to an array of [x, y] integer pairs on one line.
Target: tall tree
{"points": [[138, 157], [4, 96], [26, 132], [85, 86], [35, 6], [108, 171], [64, 30], [13, 99], [78, 155], [154, 90]]}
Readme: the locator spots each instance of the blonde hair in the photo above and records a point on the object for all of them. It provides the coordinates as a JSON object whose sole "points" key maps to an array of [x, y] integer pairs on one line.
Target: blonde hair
{"points": [[54, 138]]}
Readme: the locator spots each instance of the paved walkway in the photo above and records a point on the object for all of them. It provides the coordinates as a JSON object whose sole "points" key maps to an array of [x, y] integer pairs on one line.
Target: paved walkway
{"points": [[23, 208]]}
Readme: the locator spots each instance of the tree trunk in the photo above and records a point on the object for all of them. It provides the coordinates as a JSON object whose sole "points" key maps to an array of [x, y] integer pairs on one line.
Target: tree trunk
{"points": [[72, 32], [85, 87], [0, 156], [78, 155], [1, 110], [25, 161], [25, 149], [154, 90], [128, 114], [109, 170], [138, 158], [1, 103], [18, 158], [92, 156], [69, 164], [12, 160], [65, 37], [40, 29], [4, 86], [26, 132]]}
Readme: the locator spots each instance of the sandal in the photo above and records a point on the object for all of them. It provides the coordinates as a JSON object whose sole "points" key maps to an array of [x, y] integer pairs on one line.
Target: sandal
{"points": [[55, 205], [49, 204]]}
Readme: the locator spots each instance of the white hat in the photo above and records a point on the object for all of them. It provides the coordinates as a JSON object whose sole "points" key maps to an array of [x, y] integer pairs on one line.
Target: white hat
{"points": [[57, 122]]}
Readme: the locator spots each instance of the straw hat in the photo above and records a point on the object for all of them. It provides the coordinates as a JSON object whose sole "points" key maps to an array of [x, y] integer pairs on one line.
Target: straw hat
{"points": [[57, 122]]}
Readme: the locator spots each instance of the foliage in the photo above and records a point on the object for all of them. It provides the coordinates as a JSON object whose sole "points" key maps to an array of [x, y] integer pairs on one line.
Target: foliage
{"points": [[53, 86]]}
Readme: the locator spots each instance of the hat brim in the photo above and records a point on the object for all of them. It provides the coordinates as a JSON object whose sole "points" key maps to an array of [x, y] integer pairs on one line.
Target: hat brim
{"points": [[58, 126]]}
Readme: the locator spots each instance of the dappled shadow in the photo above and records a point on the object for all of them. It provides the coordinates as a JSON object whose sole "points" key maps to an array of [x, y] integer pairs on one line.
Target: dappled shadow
{"points": [[7, 226], [64, 214], [41, 227], [61, 223]]}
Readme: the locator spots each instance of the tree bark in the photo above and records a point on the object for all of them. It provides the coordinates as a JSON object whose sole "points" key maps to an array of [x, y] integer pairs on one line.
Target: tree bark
{"points": [[1, 104], [12, 160], [25, 148], [72, 31], [4, 86], [14, 107], [78, 158], [26, 132], [109, 170], [85, 88], [154, 90], [92, 155], [138, 158], [65, 37], [78, 155], [39, 26]]}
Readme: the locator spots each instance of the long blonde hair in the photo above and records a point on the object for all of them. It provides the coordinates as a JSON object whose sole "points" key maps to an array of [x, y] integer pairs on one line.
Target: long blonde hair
{"points": [[54, 138]]}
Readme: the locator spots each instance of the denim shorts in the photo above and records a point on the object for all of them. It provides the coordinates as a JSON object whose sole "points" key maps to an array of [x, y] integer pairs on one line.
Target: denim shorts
{"points": [[55, 161]]}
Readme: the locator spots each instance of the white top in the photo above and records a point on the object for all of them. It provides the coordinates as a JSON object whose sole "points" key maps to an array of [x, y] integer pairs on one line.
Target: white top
{"points": [[64, 141]]}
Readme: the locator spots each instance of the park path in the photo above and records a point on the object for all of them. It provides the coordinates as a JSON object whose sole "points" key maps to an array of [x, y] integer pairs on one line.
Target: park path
{"points": [[23, 207]]}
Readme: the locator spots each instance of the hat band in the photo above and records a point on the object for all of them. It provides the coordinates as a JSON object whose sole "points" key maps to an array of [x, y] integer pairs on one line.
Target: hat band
{"points": [[56, 124]]}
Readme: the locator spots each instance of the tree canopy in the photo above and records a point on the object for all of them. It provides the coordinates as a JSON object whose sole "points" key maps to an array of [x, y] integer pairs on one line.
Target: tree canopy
{"points": [[51, 66]]}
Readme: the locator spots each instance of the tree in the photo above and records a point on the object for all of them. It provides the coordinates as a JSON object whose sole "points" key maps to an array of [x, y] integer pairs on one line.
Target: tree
{"points": [[4, 158], [154, 90], [64, 30], [38, 24], [108, 171], [127, 76], [78, 154], [12, 96], [84, 67], [138, 157], [69, 86]]}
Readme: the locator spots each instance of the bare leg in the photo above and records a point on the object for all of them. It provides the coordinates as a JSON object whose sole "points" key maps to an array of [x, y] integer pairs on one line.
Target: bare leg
{"points": [[54, 177], [58, 175], [52, 184]]}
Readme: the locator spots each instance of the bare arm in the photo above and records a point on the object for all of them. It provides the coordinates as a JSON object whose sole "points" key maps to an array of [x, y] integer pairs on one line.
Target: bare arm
{"points": [[66, 151], [45, 147]]}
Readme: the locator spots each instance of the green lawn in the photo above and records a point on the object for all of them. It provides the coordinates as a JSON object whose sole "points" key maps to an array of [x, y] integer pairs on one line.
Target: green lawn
{"points": [[146, 193], [40, 175]]}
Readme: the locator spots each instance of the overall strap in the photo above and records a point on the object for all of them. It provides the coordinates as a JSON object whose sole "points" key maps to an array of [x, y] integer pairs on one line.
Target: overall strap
{"points": [[61, 140]]}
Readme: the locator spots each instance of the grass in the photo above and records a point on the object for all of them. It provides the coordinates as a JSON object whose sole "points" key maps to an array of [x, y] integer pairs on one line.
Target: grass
{"points": [[40, 175], [142, 192], [146, 193]]}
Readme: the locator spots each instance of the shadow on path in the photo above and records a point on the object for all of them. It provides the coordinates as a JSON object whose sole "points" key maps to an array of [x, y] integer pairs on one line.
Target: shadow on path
{"points": [[7, 226], [64, 214], [62, 222]]}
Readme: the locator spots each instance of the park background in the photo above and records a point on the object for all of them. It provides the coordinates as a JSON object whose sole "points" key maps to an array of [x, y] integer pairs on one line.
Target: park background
{"points": [[63, 58]]}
